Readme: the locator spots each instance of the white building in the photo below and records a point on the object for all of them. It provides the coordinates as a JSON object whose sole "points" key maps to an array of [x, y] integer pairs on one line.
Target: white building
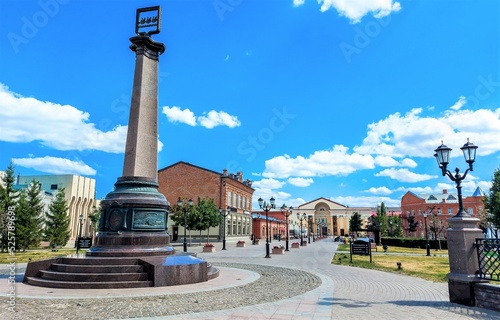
{"points": [[79, 193]]}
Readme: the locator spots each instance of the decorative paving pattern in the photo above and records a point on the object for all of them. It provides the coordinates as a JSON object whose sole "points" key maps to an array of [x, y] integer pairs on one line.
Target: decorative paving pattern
{"points": [[274, 283]]}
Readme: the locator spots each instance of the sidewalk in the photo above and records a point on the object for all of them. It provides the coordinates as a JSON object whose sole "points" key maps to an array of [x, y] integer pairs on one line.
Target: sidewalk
{"points": [[301, 284]]}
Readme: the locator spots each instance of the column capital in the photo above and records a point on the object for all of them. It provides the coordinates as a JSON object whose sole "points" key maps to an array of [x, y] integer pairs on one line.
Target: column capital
{"points": [[145, 45]]}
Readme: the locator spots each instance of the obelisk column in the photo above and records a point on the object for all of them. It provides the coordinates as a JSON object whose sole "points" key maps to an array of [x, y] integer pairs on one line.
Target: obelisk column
{"points": [[134, 215], [141, 151]]}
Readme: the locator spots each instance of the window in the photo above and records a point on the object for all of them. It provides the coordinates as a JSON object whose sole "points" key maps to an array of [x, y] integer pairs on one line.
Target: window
{"points": [[470, 211], [451, 197], [53, 187], [439, 211], [431, 197], [450, 211], [229, 199]]}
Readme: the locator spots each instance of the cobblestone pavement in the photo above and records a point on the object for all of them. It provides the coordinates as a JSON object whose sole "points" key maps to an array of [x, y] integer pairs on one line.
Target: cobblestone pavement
{"points": [[301, 284]]}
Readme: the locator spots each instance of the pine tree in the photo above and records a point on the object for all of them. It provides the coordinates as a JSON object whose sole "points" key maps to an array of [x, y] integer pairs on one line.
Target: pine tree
{"points": [[8, 200], [355, 223], [57, 222], [29, 216]]}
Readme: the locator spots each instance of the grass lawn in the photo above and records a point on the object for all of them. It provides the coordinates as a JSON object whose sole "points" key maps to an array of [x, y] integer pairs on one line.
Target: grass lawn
{"points": [[36, 254], [434, 267]]}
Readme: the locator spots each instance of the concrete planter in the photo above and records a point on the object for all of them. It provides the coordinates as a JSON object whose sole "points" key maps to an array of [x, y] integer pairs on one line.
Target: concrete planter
{"points": [[208, 249], [241, 244], [278, 251], [295, 245]]}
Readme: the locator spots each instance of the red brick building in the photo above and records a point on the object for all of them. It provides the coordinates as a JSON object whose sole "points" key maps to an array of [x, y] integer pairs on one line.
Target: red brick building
{"points": [[186, 181], [439, 207]]}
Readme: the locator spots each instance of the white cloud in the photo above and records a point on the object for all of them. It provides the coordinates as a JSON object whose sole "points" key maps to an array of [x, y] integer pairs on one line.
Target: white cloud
{"points": [[268, 184], [175, 114], [300, 182], [379, 190], [367, 201], [404, 175], [414, 135], [355, 10], [55, 165], [62, 127], [221, 118], [297, 3], [321, 163], [459, 104], [208, 120]]}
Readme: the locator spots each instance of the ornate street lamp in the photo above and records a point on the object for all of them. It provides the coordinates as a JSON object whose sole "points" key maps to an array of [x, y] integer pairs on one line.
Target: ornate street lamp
{"points": [[427, 245], [185, 210], [443, 158], [301, 219], [224, 214], [264, 206], [286, 212]]}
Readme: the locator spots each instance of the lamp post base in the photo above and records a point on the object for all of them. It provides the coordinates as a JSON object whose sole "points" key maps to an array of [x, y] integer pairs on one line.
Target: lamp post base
{"points": [[224, 244], [267, 251]]}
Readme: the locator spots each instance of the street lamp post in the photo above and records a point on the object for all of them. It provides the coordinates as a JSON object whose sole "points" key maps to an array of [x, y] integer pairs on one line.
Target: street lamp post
{"points": [[443, 158], [301, 219], [82, 220], [224, 214], [286, 212], [185, 210], [427, 245], [264, 206], [390, 227]]}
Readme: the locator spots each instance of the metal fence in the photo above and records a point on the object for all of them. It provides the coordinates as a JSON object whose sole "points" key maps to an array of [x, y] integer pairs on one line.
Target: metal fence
{"points": [[488, 254]]}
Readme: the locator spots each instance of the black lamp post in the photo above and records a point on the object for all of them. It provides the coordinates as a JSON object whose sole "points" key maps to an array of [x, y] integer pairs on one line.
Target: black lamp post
{"points": [[443, 158], [185, 210], [286, 212], [224, 214], [82, 220], [264, 206], [427, 245], [301, 219]]}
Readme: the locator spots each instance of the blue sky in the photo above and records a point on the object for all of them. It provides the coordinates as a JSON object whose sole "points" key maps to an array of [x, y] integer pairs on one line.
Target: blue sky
{"points": [[345, 100]]}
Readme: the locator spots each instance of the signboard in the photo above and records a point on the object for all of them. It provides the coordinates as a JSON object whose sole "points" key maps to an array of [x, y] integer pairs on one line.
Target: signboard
{"points": [[84, 242], [361, 247]]}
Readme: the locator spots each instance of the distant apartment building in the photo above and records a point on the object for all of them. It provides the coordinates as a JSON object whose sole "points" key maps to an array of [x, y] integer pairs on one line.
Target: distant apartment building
{"points": [[79, 193], [228, 190], [438, 206]]}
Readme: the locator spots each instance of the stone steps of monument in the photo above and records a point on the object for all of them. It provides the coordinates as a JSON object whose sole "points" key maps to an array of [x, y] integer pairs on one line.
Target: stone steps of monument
{"points": [[91, 277], [85, 268], [92, 273], [100, 260], [87, 285], [212, 272]]}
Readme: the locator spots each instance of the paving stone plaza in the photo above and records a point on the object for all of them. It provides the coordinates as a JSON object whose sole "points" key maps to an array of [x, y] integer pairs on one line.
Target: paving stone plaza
{"points": [[301, 284]]}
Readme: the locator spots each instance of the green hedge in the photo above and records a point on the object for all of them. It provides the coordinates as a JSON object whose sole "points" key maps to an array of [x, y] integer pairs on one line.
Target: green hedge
{"points": [[414, 243]]}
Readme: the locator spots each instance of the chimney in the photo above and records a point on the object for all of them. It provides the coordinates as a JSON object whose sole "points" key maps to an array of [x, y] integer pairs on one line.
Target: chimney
{"points": [[224, 172], [239, 175], [445, 191]]}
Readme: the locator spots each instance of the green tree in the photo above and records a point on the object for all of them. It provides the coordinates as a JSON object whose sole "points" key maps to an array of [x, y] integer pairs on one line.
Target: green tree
{"points": [[356, 222], [57, 222], [492, 202], [177, 215], [412, 224], [94, 217], [8, 200], [208, 215], [29, 216], [373, 225]]}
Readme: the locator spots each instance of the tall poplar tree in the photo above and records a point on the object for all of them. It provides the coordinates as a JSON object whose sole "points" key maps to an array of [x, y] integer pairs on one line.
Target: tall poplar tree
{"points": [[492, 202], [29, 217], [57, 221]]}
